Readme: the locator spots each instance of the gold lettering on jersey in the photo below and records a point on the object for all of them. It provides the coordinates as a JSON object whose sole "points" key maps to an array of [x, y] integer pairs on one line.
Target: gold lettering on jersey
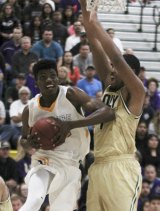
{"points": [[111, 99]]}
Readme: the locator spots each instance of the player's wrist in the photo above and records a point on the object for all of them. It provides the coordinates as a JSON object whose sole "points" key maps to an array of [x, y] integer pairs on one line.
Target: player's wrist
{"points": [[25, 144]]}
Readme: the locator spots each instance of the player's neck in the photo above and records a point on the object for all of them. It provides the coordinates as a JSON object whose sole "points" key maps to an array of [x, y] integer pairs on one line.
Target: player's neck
{"points": [[46, 102]]}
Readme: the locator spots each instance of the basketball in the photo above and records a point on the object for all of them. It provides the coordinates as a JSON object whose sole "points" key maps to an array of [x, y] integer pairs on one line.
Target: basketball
{"points": [[46, 131]]}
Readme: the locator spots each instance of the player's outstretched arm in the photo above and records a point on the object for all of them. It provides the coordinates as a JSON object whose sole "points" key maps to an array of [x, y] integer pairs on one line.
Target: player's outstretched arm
{"points": [[99, 113], [133, 84]]}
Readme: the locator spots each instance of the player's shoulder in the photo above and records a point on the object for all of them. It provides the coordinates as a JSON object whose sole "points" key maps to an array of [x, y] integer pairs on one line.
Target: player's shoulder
{"points": [[74, 94], [73, 90]]}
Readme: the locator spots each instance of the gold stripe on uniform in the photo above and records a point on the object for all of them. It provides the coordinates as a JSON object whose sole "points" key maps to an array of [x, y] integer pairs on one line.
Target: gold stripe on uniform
{"points": [[43, 161]]}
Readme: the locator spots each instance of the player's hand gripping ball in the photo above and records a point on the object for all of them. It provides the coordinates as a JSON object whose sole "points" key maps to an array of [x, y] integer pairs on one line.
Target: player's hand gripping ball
{"points": [[45, 130]]}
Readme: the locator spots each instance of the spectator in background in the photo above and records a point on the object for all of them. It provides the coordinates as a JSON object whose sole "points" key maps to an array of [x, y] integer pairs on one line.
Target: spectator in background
{"points": [[116, 40], [17, 106], [154, 126], [8, 22], [74, 4], [142, 75], [71, 27], [63, 76], [16, 8], [152, 86], [83, 59], [151, 175], [68, 16], [89, 84], [34, 30], [148, 111], [8, 49], [2, 75], [73, 71], [155, 203], [2, 64], [31, 9], [83, 40], [73, 39], [7, 131], [23, 192], [16, 202], [23, 58], [47, 48], [48, 9], [8, 167], [141, 136], [30, 81], [151, 155], [145, 206], [11, 93], [144, 196], [5, 202], [59, 30]]}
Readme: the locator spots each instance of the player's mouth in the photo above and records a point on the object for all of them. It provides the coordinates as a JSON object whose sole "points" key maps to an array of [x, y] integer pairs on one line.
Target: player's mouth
{"points": [[50, 86]]}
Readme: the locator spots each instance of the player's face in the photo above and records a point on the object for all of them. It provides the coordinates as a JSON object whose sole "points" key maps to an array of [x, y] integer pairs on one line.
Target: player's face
{"points": [[47, 82], [115, 82]]}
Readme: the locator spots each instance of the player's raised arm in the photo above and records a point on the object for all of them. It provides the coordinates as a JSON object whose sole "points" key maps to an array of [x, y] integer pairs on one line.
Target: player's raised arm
{"points": [[133, 84], [100, 58]]}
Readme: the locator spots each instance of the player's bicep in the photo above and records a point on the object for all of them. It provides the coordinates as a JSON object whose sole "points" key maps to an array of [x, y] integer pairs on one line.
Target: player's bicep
{"points": [[87, 103], [81, 100]]}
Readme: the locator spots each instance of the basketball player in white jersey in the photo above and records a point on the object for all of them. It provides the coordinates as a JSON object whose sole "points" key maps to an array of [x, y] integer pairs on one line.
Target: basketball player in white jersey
{"points": [[56, 171], [115, 176]]}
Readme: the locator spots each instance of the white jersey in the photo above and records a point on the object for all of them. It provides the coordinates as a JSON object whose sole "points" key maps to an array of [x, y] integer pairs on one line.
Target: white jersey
{"points": [[76, 146]]}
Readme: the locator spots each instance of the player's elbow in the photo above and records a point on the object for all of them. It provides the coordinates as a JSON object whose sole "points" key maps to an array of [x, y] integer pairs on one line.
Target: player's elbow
{"points": [[110, 115]]}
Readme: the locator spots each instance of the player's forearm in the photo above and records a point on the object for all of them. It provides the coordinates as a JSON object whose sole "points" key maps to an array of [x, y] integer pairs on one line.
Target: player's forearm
{"points": [[102, 115], [95, 30]]}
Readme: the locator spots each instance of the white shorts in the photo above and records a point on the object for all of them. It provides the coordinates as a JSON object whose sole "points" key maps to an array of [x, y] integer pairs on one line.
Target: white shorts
{"points": [[64, 189]]}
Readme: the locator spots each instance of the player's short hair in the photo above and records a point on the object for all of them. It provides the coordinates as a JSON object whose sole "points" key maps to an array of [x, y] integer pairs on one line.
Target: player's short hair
{"points": [[133, 62], [44, 64]]}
